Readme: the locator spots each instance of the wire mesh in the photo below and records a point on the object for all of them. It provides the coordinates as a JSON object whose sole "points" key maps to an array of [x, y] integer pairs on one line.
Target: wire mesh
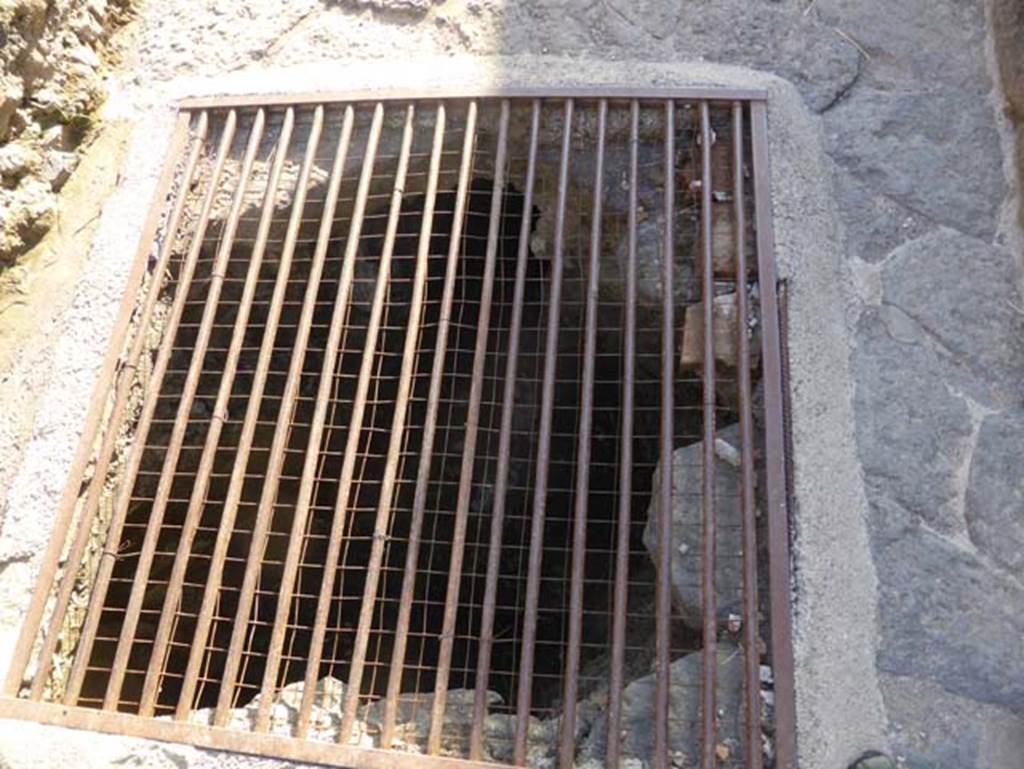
{"points": [[241, 554]]}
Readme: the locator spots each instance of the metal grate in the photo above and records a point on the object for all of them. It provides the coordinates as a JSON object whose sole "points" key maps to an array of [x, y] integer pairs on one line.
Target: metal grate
{"points": [[379, 458]]}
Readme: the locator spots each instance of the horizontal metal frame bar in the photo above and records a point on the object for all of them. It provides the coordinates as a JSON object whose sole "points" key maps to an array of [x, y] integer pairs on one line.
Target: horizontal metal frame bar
{"points": [[267, 745], [613, 92]]}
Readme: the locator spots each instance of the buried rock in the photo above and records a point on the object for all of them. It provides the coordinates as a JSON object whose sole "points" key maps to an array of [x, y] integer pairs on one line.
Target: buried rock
{"points": [[687, 530], [412, 722], [637, 725], [324, 721]]}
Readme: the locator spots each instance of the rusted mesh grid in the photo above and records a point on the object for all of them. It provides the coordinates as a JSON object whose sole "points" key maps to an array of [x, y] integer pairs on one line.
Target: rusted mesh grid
{"points": [[305, 542]]}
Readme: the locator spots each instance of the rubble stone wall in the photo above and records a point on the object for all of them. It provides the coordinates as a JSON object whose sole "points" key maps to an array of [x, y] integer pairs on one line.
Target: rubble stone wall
{"points": [[51, 82]]}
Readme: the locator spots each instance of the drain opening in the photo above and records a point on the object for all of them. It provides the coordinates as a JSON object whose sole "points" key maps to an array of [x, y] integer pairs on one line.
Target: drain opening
{"points": [[290, 486]]}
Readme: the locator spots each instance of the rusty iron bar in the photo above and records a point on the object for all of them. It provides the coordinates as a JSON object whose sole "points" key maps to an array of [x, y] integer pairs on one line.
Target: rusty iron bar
{"points": [[150, 689], [275, 462], [451, 601], [197, 497], [367, 362], [429, 433], [567, 744], [351, 701], [237, 740], [172, 453], [483, 665], [338, 315], [323, 397], [124, 376], [656, 94], [382, 521], [524, 692], [85, 499], [198, 648], [312, 457], [749, 522], [775, 465], [663, 539], [707, 740], [106, 568], [618, 654], [355, 428]]}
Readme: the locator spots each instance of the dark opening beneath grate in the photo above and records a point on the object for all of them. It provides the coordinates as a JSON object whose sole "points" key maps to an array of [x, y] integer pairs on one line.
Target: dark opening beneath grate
{"points": [[383, 461]]}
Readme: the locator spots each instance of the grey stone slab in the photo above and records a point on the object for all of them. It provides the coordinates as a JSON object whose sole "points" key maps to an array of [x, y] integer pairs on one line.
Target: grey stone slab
{"points": [[995, 491], [875, 224], [687, 529], [684, 715], [934, 729], [914, 434], [778, 38], [775, 37], [935, 152], [948, 617], [964, 294], [915, 42]]}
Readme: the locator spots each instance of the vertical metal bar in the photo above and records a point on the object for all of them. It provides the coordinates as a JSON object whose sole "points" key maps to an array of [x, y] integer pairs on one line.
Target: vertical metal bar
{"points": [[540, 491], [383, 520], [451, 603], [429, 433], [708, 759], [663, 588], [275, 462], [483, 665], [202, 482], [749, 524], [124, 377], [140, 581], [106, 567], [355, 428], [197, 497], [777, 508], [252, 410], [312, 457], [626, 460], [579, 538]]}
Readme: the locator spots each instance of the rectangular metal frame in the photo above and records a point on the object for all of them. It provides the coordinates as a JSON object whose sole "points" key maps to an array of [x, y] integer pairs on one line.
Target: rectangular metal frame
{"points": [[115, 378]]}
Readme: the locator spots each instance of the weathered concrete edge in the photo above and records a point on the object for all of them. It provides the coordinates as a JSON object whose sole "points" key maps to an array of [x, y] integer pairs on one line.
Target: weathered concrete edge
{"points": [[83, 332], [840, 709]]}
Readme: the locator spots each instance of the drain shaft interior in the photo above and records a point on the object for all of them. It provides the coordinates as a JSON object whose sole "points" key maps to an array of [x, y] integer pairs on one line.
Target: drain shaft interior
{"points": [[384, 459]]}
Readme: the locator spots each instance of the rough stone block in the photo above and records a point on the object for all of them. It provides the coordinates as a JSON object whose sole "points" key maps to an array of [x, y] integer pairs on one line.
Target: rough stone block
{"points": [[964, 295], [915, 43], [17, 159], [995, 494], [947, 617], [726, 338], [819, 62], [935, 729], [687, 501], [936, 152], [914, 432], [684, 715]]}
